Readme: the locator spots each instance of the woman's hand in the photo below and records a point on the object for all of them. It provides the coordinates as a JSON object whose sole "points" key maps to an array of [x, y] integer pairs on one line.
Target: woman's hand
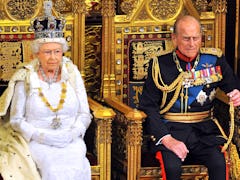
{"points": [[58, 139]]}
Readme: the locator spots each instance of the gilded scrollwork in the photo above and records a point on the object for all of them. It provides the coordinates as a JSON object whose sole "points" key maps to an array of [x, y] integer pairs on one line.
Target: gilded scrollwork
{"points": [[169, 8], [150, 171], [219, 6], [108, 8], [119, 131], [10, 58], [202, 5], [21, 9], [2, 12], [127, 6], [75, 6], [62, 6], [143, 15], [78, 6], [92, 3], [138, 93], [93, 61], [141, 52], [134, 133], [105, 130]]}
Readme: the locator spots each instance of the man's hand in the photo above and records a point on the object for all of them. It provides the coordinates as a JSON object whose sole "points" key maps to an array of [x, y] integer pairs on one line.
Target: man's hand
{"points": [[235, 97], [178, 147]]}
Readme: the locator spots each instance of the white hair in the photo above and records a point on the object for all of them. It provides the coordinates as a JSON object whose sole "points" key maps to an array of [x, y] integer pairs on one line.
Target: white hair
{"points": [[37, 43]]}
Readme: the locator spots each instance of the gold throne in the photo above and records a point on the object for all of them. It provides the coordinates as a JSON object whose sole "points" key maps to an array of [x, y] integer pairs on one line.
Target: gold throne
{"points": [[141, 30], [15, 39]]}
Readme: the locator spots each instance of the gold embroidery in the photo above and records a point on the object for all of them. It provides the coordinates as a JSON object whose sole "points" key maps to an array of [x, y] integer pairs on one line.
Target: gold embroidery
{"points": [[214, 51]]}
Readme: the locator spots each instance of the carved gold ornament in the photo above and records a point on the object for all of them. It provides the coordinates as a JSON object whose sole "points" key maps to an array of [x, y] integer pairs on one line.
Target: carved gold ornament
{"points": [[10, 58], [169, 9], [21, 9]]}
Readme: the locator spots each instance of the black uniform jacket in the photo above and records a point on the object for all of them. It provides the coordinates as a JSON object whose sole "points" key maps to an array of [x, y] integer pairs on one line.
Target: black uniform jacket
{"points": [[150, 102]]}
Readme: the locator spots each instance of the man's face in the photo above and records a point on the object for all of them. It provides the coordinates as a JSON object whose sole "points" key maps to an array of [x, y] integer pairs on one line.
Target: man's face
{"points": [[188, 37]]}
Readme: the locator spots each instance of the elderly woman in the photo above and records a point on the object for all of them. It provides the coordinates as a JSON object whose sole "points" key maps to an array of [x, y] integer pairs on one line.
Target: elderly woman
{"points": [[49, 106]]}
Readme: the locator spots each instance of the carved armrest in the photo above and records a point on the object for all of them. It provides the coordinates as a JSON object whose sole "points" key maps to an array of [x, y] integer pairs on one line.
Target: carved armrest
{"points": [[102, 118], [130, 113], [127, 135]]}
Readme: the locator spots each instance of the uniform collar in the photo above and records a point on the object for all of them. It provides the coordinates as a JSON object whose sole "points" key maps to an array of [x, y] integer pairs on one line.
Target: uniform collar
{"points": [[183, 57]]}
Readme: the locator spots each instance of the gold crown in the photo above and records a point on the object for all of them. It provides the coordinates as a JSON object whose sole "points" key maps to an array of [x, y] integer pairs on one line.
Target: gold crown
{"points": [[48, 26]]}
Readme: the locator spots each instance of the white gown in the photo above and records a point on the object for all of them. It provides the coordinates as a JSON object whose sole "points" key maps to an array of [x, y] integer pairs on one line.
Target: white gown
{"points": [[30, 114]]}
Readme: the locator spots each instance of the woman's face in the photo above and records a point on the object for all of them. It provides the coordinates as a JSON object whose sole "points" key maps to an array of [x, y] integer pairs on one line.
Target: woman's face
{"points": [[50, 56]]}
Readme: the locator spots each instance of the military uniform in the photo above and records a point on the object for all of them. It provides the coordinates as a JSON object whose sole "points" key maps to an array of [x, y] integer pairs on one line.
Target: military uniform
{"points": [[178, 98]]}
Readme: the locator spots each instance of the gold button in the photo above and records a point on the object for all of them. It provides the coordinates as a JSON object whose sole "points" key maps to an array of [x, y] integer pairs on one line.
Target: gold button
{"points": [[153, 138]]}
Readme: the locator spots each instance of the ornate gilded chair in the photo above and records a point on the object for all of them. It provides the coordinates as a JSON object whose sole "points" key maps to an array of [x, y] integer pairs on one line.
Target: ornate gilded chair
{"points": [[15, 38], [142, 29]]}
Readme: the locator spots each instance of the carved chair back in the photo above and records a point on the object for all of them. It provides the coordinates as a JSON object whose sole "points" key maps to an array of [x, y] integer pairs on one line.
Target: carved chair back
{"points": [[141, 31], [15, 48]]}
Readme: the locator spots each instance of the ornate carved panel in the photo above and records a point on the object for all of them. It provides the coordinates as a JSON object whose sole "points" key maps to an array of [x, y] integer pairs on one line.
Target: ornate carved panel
{"points": [[139, 52], [11, 55], [20, 9], [93, 60]]}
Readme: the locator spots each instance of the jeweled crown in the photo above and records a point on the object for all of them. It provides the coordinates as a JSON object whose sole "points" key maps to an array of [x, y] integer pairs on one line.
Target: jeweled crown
{"points": [[48, 26]]}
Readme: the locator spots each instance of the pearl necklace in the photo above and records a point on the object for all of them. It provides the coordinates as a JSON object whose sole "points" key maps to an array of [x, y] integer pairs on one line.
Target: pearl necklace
{"points": [[49, 80]]}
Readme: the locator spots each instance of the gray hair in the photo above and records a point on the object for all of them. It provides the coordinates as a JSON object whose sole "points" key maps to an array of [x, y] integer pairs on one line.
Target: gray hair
{"points": [[37, 43]]}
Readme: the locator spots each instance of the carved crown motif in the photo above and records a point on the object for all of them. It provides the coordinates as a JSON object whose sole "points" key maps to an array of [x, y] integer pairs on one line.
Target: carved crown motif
{"points": [[48, 26]]}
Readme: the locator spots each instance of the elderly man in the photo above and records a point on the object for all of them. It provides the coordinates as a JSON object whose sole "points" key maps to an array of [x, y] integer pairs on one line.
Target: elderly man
{"points": [[178, 98]]}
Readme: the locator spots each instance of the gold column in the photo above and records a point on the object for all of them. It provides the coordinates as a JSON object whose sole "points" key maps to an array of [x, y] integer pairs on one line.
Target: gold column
{"points": [[220, 11], [134, 143], [78, 47], [104, 132], [103, 117], [108, 48]]}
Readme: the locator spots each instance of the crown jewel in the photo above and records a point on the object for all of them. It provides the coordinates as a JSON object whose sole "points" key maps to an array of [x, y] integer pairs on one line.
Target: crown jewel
{"points": [[48, 26]]}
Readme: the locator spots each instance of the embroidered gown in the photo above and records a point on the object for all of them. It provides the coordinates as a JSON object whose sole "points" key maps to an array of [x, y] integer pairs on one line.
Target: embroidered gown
{"points": [[63, 155]]}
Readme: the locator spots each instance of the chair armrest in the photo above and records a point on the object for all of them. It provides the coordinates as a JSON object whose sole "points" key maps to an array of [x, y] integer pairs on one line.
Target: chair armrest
{"points": [[127, 135], [130, 113], [102, 120], [99, 111]]}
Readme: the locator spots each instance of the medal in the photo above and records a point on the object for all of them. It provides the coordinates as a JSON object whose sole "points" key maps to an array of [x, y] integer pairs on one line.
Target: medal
{"points": [[56, 123]]}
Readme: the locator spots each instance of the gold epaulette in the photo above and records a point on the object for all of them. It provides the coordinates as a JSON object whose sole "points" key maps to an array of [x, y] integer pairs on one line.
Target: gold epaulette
{"points": [[167, 51], [160, 53], [213, 51]]}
